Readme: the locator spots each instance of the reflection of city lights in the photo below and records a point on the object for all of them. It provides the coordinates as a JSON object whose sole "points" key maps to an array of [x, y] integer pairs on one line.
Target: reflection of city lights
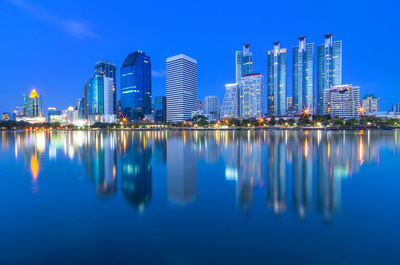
{"points": [[361, 151], [40, 141], [306, 148], [34, 168]]}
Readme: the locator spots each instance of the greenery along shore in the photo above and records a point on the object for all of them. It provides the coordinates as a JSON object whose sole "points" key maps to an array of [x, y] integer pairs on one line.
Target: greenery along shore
{"points": [[199, 121]]}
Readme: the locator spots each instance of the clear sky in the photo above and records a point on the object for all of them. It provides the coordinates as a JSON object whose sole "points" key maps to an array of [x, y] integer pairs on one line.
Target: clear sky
{"points": [[53, 45]]}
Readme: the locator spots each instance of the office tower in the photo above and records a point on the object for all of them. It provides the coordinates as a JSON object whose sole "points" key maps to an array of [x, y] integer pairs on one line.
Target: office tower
{"points": [[370, 104], [181, 87], [230, 104], [211, 107], [108, 69], [33, 104], [252, 96], [329, 67], [341, 101], [277, 74], [396, 108], [100, 99], [136, 86], [244, 62], [199, 105], [303, 76], [80, 107], [160, 109]]}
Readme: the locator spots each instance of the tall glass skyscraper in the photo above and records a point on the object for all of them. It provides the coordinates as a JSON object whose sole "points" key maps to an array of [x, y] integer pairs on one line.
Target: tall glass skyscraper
{"points": [[181, 87], [244, 62], [32, 104], [329, 67], [108, 69], [100, 99], [136, 86], [303, 76], [160, 109], [277, 80], [230, 104]]}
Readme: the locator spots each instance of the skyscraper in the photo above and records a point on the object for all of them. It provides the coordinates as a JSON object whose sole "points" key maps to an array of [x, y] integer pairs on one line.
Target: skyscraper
{"points": [[33, 104], [108, 69], [230, 104], [211, 107], [100, 99], [136, 86], [181, 87], [252, 96], [160, 109], [303, 76], [329, 67], [277, 83], [244, 62]]}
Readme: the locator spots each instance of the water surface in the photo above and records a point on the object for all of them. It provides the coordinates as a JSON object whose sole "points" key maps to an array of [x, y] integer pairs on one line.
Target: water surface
{"points": [[165, 197]]}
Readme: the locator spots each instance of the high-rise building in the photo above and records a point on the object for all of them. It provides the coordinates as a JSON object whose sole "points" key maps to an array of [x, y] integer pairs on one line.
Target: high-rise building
{"points": [[342, 101], [181, 87], [303, 76], [33, 104], [136, 86], [108, 69], [277, 80], [160, 109], [100, 106], [80, 107], [211, 107], [289, 103], [230, 104], [252, 96], [329, 67], [244, 62], [396, 108], [370, 103]]}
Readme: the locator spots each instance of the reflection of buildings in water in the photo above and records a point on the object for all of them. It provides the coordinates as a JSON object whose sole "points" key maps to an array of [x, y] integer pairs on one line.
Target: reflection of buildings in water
{"points": [[181, 170], [243, 155], [100, 163], [277, 179], [137, 172], [302, 167], [160, 151]]}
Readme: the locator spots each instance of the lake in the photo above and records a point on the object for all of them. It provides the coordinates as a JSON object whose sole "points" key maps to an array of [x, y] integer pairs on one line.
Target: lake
{"points": [[195, 197]]}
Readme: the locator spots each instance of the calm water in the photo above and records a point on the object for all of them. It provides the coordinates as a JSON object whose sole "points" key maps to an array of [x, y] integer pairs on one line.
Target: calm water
{"points": [[276, 197]]}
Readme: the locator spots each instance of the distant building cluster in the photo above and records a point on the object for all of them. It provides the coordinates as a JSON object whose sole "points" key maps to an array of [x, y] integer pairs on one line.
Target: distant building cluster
{"points": [[315, 91]]}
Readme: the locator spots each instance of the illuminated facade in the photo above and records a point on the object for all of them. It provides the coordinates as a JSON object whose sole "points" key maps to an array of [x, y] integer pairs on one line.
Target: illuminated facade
{"points": [[100, 99], [370, 103], [342, 101], [252, 96], [160, 109], [181, 87], [303, 76], [230, 104], [277, 81], [244, 62], [136, 86], [33, 104], [329, 67], [211, 107], [108, 69]]}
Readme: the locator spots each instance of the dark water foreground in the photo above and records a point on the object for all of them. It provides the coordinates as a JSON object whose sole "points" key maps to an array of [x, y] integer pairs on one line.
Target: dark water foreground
{"points": [[165, 197]]}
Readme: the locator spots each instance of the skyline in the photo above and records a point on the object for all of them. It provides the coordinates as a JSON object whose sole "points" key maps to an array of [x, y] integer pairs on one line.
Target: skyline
{"points": [[374, 72]]}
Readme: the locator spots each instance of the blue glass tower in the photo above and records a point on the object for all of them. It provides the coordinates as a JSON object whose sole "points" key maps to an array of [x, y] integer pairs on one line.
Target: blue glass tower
{"points": [[160, 109], [108, 69], [329, 67], [136, 86], [277, 81], [303, 76]]}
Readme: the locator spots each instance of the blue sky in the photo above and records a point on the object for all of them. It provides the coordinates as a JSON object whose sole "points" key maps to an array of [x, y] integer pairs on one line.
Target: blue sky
{"points": [[53, 45]]}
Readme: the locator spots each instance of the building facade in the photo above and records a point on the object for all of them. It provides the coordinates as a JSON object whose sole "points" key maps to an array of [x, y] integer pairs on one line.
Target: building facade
{"points": [[342, 101], [303, 76], [211, 107], [277, 81], [230, 104], [108, 69], [329, 68], [100, 98], [181, 87], [32, 104], [370, 103], [160, 109], [136, 86], [252, 95]]}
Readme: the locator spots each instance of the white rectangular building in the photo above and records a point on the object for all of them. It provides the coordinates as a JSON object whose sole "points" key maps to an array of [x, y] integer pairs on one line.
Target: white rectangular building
{"points": [[230, 104], [181, 87], [252, 96], [341, 101]]}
